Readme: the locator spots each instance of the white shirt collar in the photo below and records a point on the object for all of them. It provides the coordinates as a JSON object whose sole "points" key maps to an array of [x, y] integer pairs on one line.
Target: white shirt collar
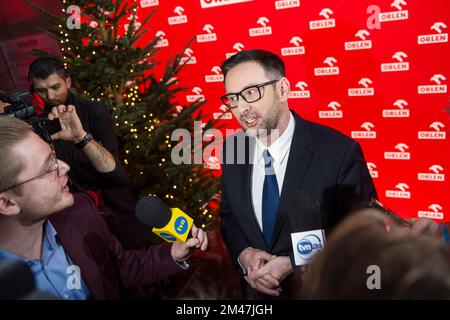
{"points": [[280, 147]]}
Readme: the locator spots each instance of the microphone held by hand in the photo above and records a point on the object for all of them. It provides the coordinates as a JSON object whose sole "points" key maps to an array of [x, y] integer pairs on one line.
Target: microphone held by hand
{"points": [[308, 237], [173, 225]]}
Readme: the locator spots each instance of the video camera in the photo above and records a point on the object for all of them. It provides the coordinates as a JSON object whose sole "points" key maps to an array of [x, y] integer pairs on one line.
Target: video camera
{"points": [[20, 106]]}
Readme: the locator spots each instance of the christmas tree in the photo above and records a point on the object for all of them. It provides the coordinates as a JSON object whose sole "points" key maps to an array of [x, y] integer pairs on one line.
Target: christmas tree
{"points": [[107, 64]]}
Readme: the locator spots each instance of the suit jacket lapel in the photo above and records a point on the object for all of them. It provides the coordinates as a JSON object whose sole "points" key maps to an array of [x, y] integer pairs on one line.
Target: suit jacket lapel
{"points": [[300, 155], [242, 186]]}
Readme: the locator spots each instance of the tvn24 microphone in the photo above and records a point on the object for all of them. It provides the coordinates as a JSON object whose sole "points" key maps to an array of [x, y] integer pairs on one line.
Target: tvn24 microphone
{"points": [[173, 225], [308, 236]]}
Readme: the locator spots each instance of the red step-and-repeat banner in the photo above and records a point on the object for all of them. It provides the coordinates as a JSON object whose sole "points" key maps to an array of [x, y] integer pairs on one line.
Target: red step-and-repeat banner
{"points": [[375, 70]]}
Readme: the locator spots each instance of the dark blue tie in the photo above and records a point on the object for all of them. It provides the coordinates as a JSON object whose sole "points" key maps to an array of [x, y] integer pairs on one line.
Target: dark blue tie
{"points": [[270, 198]]}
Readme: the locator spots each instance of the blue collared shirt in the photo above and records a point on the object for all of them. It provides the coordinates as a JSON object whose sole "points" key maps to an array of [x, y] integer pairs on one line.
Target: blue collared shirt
{"points": [[55, 273]]}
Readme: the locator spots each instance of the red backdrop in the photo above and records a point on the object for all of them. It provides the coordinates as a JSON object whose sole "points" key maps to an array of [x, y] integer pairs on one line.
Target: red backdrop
{"points": [[386, 87]]}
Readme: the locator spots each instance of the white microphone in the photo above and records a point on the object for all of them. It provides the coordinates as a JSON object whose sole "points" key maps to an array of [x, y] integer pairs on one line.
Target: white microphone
{"points": [[308, 235]]}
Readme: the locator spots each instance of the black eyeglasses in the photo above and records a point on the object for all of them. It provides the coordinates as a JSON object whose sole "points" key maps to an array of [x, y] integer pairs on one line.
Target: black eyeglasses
{"points": [[249, 94], [54, 167]]}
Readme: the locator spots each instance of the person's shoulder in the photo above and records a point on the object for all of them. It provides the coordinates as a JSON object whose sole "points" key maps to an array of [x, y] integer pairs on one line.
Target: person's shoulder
{"points": [[83, 204], [89, 107], [328, 134], [82, 207]]}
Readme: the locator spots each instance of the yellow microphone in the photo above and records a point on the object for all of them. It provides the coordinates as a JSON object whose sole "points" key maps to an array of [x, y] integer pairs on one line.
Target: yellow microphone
{"points": [[173, 225]]}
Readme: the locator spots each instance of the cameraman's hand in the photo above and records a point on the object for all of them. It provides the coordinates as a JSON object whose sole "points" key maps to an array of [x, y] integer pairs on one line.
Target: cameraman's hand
{"points": [[71, 127]]}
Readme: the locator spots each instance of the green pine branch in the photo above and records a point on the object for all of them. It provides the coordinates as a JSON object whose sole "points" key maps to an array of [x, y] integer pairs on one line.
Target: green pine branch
{"points": [[114, 70]]}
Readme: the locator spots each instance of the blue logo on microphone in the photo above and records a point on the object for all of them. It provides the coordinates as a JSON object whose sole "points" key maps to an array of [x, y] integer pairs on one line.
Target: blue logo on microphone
{"points": [[181, 225], [167, 236], [309, 245]]}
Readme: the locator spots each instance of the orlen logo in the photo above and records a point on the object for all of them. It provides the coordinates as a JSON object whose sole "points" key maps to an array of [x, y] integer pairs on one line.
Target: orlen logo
{"points": [[162, 42], [400, 193], [399, 155], [286, 4], [367, 134], [330, 70], [179, 18], [136, 24], [438, 37], [196, 96], [208, 36], [181, 225], [216, 77], [188, 57], [215, 3], [396, 66], [225, 113], [212, 163], [296, 50], [435, 213], [435, 88], [372, 169], [400, 14], [302, 93], [264, 30], [324, 23], [361, 44], [171, 81], [434, 175], [333, 113], [149, 3], [400, 112], [308, 246], [366, 91], [437, 134], [179, 109], [238, 47]]}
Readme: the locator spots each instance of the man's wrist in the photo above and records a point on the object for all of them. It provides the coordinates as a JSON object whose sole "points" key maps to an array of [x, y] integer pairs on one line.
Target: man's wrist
{"points": [[185, 264], [244, 272], [83, 142], [80, 137], [240, 262]]}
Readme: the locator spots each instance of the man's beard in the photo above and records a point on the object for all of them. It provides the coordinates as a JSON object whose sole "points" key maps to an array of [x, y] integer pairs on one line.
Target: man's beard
{"points": [[268, 125]]}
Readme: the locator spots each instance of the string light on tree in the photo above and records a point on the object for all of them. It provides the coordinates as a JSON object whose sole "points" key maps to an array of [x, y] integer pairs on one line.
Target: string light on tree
{"points": [[111, 67]]}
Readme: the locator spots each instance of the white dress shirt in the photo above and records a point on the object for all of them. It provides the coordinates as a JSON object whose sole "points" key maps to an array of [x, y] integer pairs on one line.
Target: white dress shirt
{"points": [[279, 150]]}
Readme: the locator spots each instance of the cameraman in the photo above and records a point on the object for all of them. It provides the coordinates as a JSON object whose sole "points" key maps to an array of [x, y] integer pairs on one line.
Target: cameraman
{"points": [[81, 125], [85, 139]]}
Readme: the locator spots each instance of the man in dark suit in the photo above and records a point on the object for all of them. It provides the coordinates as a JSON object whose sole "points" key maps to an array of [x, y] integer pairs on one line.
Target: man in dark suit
{"points": [[282, 154], [62, 237]]}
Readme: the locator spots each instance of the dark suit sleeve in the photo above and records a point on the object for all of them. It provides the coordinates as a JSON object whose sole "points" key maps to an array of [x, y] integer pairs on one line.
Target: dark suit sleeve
{"points": [[233, 236], [355, 185], [136, 268]]}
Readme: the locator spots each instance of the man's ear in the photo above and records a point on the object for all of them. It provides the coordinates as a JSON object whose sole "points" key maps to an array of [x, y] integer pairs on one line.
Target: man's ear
{"points": [[284, 89], [68, 81], [8, 206]]}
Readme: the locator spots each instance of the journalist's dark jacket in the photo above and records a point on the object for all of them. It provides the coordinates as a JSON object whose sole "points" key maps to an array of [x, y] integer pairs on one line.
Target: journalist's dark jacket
{"points": [[105, 266]]}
